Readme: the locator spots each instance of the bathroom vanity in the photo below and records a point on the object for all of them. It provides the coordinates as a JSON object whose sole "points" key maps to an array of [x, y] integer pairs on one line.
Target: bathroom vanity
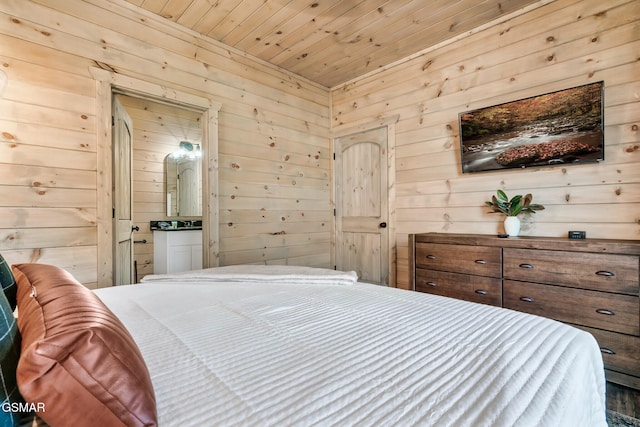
{"points": [[177, 247]]}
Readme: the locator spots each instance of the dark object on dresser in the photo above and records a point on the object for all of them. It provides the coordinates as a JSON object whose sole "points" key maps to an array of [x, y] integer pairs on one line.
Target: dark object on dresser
{"points": [[577, 234], [592, 284]]}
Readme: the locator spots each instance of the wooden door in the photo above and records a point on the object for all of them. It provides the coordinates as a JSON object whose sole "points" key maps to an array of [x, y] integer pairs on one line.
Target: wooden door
{"points": [[122, 195], [362, 205]]}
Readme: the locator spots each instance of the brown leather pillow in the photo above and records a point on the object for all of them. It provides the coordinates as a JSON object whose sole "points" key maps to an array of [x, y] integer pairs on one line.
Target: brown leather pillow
{"points": [[78, 361]]}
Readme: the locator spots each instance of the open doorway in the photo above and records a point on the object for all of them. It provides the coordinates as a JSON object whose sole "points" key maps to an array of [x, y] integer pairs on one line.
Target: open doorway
{"points": [[160, 132], [108, 83]]}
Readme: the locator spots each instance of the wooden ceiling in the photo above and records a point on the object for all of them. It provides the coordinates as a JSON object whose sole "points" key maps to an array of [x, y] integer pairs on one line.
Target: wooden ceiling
{"points": [[331, 41]]}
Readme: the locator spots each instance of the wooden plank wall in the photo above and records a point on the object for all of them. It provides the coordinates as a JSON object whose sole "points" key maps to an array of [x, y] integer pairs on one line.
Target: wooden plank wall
{"points": [[273, 134], [157, 132], [559, 45]]}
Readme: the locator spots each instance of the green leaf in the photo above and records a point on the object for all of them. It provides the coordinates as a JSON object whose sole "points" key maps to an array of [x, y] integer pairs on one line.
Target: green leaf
{"points": [[517, 205]]}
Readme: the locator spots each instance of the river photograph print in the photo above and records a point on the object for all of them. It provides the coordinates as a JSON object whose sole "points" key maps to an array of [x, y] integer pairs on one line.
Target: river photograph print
{"points": [[563, 127]]}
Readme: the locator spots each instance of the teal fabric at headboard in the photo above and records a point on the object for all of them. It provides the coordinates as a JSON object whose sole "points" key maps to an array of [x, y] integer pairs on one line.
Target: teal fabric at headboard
{"points": [[10, 399], [8, 282]]}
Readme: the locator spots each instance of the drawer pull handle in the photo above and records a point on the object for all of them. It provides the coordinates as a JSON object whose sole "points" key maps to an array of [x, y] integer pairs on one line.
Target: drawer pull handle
{"points": [[480, 261], [605, 273], [526, 299], [605, 312], [481, 291], [606, 350], [431, 257], [434, 284], [526, 266]]}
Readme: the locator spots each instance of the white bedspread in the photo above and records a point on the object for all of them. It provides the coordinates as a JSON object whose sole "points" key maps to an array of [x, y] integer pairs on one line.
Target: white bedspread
{"points": [[260, 273], [270, 354]]}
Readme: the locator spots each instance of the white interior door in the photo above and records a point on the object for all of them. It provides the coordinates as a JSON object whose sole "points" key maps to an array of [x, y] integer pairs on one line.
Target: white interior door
{"points": [[362, 205], [122, 195]]}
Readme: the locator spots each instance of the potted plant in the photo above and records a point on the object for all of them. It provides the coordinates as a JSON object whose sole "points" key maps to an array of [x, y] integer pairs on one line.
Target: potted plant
{"points": [[512, 208]]}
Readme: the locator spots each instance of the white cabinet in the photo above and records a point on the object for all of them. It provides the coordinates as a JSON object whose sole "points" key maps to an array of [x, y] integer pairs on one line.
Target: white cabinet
{"points": [[176, 250]]}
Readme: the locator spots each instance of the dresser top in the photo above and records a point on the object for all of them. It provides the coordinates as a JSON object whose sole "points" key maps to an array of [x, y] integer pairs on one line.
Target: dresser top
{"points": [[614, 246]]}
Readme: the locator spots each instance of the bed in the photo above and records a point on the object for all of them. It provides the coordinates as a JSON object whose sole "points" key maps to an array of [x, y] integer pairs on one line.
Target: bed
{"points": [[273, 346]]}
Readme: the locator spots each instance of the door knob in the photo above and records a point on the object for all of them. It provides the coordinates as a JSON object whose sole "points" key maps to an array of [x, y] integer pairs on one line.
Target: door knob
{"points": [[383, 225], [136, 228]]}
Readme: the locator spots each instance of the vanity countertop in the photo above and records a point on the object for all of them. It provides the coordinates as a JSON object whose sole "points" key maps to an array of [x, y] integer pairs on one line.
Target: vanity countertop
{"points": [[176, 225], [178, 229]]}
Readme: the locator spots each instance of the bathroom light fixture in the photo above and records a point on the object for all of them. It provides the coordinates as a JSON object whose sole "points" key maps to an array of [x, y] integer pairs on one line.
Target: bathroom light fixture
{"points": [[187, 149], [186, 146]]}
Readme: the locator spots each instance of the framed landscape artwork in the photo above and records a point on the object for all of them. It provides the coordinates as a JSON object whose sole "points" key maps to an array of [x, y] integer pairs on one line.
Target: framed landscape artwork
{"points": [[562, 127]]}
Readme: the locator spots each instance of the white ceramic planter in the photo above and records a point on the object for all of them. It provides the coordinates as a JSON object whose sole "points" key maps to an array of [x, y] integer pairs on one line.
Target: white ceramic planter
{"points": [[512, 226]]}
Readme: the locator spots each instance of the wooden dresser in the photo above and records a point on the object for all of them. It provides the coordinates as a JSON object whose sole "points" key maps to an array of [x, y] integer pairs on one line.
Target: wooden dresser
{"points": [[590, 283]]}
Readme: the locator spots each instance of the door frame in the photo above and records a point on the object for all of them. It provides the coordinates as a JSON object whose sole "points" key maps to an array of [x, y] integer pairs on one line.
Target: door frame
{"points": [[107, 84], [346, 130]]}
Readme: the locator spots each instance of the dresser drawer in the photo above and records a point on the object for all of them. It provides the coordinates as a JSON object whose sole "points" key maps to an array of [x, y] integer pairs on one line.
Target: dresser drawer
{"points": [[602, 310], [486, 290], [479, 260], [620, 353], [603, 272]]}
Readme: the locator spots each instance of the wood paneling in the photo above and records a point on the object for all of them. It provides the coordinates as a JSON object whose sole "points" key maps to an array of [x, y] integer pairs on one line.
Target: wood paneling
{"points": [[333, 41], [275, 161], [562, 44], [273, 131]]}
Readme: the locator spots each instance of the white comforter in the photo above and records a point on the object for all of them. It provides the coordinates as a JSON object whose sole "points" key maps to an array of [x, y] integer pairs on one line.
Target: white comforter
{"points": [[273, 354]]}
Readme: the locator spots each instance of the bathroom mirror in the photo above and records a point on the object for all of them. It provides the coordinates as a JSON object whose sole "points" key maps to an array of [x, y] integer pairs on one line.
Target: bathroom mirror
{"points": [[183, 185]]}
